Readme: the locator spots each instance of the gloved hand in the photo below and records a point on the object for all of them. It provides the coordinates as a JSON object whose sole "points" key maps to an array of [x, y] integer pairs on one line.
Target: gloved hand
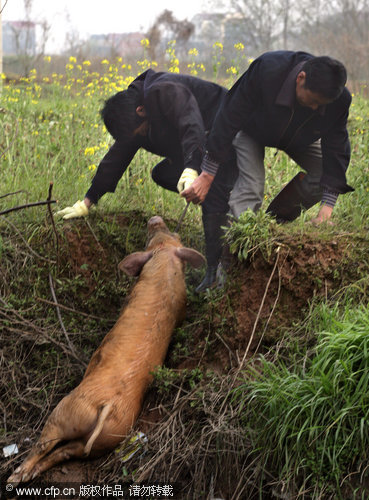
{"points": [[186, 179], [79, 209]]}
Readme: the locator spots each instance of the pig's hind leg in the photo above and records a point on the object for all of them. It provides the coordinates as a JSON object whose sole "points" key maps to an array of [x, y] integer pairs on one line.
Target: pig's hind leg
{"points": [[73, 449], [25, 471], [42, 457]]}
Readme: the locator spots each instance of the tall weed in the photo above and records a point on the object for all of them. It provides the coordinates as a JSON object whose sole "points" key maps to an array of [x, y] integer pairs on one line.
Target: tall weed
{"points": [[309, 421]]}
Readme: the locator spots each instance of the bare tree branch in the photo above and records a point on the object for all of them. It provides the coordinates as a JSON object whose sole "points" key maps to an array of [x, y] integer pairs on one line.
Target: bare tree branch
{"points": [[28, 205], [53, 225], [1, 11]]}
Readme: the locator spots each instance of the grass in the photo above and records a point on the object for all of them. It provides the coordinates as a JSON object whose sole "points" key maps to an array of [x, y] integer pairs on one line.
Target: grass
{"points": [[315, 412], [299, 419]]}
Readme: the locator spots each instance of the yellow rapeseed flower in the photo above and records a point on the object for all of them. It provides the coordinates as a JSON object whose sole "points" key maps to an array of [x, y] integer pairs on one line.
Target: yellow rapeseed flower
{"points": [[86, 63], [72, 60], [193, 52], [47, 58], [89, 151], [239, 46], [145, 42], [218, 45], [105, 61], [232, 70]]}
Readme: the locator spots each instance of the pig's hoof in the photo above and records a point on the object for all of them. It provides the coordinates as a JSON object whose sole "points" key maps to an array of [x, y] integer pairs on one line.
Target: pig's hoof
{"points": [[19, 476]]}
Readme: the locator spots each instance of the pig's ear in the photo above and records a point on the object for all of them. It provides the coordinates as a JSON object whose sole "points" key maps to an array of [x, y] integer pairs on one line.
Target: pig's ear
{"points": [[133, 264], [196, 259]]}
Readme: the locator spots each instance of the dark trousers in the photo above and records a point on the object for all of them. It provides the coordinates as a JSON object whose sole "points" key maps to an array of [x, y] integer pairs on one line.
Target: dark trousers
{"points": [[168, 171]]}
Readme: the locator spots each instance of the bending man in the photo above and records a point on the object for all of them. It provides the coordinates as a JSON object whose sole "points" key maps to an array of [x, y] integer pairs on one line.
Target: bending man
{"points": [[295, 102], [169, 115]]}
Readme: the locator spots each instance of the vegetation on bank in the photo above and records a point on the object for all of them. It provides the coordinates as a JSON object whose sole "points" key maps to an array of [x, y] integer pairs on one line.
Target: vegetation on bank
{"points": [[293, 419]]}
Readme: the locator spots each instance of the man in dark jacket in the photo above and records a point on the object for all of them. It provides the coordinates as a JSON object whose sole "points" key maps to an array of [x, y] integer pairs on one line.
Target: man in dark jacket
{"points": [[295, 102], [169, 115]]}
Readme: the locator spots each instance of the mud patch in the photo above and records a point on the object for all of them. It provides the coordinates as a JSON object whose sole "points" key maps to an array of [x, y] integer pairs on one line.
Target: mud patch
{"points": [[265, 296], [277, 292]]}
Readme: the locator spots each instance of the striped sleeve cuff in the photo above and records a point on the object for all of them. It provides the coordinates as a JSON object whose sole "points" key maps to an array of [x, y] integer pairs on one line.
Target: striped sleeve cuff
{"points": [[329, 198], [209, 165]]}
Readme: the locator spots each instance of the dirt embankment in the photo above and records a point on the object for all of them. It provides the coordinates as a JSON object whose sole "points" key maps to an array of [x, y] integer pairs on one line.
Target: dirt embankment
{"points": [[265, 296]]}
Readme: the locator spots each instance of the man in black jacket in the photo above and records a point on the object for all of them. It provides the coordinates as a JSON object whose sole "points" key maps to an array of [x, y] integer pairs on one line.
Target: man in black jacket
{"points": [[295, 102], [169, 115]]}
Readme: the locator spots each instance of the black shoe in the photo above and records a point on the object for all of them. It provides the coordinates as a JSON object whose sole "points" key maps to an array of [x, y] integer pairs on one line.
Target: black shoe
{"points": [[210, 279], [213, 233]]}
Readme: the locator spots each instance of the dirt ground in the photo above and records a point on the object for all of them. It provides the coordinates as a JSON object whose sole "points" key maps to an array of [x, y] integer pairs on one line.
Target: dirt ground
{"points": [[264, 298]]}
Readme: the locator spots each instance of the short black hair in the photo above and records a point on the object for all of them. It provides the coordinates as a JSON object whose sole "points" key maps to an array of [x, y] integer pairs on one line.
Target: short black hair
{"points": [[119, 114], [325, 76]]}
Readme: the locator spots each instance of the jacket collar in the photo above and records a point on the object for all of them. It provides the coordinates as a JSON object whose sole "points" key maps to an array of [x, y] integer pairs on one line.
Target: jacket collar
{"points": [[287, 94]]}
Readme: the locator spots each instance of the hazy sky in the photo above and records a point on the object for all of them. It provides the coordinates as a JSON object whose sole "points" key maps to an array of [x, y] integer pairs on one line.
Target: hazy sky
{"points": [[97, 16]]}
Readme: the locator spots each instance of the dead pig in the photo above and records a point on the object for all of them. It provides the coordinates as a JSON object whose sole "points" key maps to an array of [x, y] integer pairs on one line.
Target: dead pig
{"points": [[100, 412]]}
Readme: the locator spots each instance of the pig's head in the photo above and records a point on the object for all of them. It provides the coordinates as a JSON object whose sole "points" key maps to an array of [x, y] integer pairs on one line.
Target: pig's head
{"points": [[159, 237]]}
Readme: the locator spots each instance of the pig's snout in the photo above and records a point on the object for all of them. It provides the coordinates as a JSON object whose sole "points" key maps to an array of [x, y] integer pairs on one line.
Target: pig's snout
{"points": [[156, 223]]}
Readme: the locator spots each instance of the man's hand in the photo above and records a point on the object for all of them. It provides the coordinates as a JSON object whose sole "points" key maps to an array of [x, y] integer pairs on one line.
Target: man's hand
{"points": [[199, 188], [186, 179], [79, 209], [324, 215]]}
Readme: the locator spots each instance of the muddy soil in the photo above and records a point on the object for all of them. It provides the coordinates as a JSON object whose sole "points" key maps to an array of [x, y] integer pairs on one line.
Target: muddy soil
{"points": [[264, 298]]}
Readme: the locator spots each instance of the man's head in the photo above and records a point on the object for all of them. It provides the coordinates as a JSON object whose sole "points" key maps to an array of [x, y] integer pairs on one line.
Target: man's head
{"points": [[123, 114], [320, 81]]}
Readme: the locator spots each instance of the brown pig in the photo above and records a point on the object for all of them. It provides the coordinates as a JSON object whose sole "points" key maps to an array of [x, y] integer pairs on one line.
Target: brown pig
{"points": [[101, 411]]}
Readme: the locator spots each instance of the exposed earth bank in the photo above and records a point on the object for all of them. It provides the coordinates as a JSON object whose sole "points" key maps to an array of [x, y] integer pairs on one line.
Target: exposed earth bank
{"points": [[266, 297]]}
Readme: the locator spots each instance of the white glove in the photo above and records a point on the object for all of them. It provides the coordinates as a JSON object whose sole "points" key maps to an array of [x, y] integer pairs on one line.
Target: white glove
{"points": [[79, 209], [186, 179]]}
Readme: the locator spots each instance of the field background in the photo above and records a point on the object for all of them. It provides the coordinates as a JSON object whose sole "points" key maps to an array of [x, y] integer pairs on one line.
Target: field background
{"points": [[264, 393]]}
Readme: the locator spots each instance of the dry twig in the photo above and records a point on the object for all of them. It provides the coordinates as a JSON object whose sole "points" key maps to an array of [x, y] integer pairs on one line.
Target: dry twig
{"points": [[27, 205], [25, 242], [11, 194], [74, 311], [53, 224], [71, 346]]}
